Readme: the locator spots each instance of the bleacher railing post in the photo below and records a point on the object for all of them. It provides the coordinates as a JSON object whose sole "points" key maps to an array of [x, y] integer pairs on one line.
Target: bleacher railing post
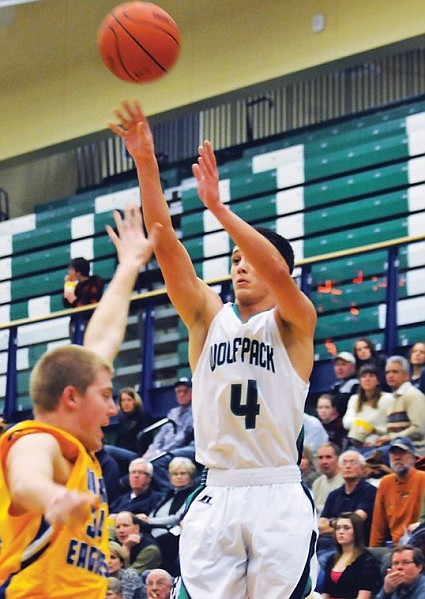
{"points": [[147, 357], [11, 378], [391, 302]]}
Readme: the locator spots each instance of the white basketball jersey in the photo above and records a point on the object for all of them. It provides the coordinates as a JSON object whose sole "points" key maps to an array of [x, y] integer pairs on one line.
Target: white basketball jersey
{"points": [[248, 401]]}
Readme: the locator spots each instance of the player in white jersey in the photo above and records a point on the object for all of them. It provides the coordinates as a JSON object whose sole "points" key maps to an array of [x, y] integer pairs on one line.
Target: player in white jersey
{"points": [[250, 532]]}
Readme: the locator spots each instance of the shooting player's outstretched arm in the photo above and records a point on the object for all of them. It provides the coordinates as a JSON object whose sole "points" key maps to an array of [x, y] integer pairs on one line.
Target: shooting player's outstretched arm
{"points": [[195, 302]]}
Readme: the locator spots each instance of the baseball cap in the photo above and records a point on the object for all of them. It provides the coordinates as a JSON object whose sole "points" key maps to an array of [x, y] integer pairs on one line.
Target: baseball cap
{"points": [[183, 381], [346, 356], [403, 443]]}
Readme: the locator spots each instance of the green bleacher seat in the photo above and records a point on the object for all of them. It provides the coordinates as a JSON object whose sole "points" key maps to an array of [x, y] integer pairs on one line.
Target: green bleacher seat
{"points": [[47, 235], [255, 184], [356, 237], [356, 212], [319, 164], [40, 260], [35, 285], [343, 324]]}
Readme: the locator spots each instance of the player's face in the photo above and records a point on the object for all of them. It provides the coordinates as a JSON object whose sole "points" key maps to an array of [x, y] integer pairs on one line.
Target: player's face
{"points": [[94, 410], [248, 286]]}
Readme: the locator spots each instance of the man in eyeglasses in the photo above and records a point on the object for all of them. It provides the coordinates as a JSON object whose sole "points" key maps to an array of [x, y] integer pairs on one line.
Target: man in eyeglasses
{"points": [[404, 579]]}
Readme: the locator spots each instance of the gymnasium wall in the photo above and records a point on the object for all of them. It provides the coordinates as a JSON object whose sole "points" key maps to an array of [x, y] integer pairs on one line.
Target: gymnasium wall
{"points": [[55, 89]]}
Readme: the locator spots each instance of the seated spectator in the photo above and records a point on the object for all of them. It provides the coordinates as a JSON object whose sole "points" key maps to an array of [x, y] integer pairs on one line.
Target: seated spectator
{"points": [[81, 289], [314, 432], [417, 365], [352, 571], [308, 468], [366, 415], [330, 478], [174, 438], [159, 584], [355, 495], [404, 579], [141, 498], [143, 551], [163, 522], [347, 381], [114, 589], [132, 419], [118, 568], [406, 417], [366, 355], [399, 498], [331, 421]]}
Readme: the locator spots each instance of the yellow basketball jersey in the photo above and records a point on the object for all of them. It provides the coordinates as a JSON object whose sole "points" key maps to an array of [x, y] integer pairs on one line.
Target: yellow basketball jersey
{"points": [[38, 560]]}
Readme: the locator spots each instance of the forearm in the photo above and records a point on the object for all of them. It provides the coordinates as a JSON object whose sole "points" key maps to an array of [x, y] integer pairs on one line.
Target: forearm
{"points": [[106, 328], [164, 521]]}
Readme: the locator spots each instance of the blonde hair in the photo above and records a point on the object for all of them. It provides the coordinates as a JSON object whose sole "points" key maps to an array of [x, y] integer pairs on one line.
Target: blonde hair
{"points": [[70, 365], [115, 547], [184, 464]]}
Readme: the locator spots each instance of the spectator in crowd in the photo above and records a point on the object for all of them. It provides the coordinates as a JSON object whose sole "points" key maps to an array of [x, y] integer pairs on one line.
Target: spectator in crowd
{"points": [[399, 498], [417, 365], [355, 495], [314, 432], [404, 579], [141, 498], [330, 478], [330, 419], [406, 417], [163, 522], [143, 551], [308, 468], [132, 419], [114, 589], [366, 355], [366, 415], [176, 437], [81, 289], [118, 568], [352, 571], [347, 381], [159, 584]]}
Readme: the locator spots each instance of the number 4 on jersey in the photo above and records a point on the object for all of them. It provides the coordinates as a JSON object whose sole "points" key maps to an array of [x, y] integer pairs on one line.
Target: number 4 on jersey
{"points": [[251, 408]]}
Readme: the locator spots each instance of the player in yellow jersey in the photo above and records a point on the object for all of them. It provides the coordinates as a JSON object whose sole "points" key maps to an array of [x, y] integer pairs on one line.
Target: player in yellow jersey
{"points": [[53, 507]]}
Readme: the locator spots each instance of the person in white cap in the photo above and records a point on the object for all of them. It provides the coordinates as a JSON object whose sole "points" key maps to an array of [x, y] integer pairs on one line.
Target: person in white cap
{"points": [[347, 381]]}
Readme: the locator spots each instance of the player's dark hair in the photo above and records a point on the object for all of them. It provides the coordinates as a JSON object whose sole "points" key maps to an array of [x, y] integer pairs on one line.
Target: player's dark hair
{"points": [[281, 244], [81, 265]]}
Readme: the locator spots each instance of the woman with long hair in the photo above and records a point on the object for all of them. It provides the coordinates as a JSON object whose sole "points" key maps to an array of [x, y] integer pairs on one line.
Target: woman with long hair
{"points": [[417, 365], [352, 572], [365, 354], [366, 415]]}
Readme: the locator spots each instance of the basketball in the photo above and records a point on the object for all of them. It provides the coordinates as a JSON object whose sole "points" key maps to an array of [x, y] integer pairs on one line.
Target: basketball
{"points": [[138, 41]]}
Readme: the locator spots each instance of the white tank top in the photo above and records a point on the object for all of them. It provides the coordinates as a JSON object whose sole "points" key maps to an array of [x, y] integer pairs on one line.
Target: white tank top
{"points": [[248, 401]]}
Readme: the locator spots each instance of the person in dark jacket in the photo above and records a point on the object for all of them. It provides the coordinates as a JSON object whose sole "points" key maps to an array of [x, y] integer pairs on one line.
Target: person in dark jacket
{"points": [[163, 522], [352, 568]]}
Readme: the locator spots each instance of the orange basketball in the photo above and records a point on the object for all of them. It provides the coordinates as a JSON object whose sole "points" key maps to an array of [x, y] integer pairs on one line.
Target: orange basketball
{"points": [[138, 41]]}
